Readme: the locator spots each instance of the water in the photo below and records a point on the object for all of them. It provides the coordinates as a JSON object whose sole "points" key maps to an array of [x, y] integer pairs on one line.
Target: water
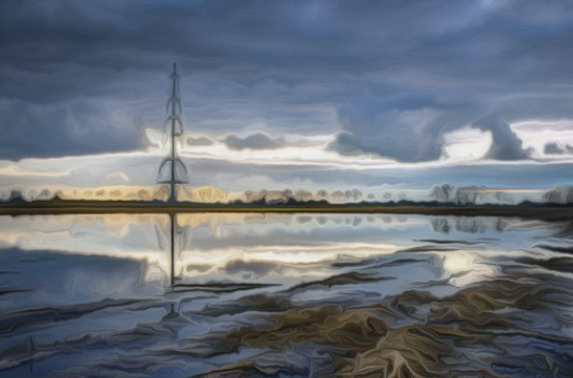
{"points": [[275, 295]]}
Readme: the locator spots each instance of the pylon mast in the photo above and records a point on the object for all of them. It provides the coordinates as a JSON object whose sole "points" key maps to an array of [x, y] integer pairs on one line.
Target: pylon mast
{"points": [[178, 173], [174, 98]]}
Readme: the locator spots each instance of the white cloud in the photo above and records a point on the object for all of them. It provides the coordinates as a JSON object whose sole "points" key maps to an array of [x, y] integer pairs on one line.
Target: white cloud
{"points": [[466, 144], [536, 134]]}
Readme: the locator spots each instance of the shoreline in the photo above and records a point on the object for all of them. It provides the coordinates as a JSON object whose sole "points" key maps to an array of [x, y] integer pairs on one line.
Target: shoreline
{"points": [[54, 207]]}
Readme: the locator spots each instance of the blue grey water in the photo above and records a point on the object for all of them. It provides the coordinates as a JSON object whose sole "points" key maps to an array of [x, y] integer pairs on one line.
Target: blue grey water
{"points": [[285, 295]]}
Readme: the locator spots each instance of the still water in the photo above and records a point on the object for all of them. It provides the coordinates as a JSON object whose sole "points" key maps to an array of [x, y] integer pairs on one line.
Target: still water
{"points": [[275, 295]]}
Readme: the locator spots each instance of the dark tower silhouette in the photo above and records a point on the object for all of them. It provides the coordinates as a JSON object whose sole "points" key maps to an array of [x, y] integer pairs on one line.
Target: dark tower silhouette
{"points": [[172, 171]]}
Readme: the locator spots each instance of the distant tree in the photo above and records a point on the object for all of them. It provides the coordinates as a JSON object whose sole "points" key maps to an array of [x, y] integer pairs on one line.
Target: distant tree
{"points": [[354, 194], [559, 194], [442, 193]]}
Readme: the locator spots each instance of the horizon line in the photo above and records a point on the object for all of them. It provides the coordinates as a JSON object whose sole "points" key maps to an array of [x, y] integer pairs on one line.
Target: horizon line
{"points": [[529, 210]]}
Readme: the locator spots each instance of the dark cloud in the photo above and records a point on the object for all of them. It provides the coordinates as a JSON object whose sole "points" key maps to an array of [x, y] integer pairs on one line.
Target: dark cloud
{"points": [[201, 141], [505, 143], [553, 149], [388, 146], [257, 141], [393, 76], [557, 149], [75, 128]]}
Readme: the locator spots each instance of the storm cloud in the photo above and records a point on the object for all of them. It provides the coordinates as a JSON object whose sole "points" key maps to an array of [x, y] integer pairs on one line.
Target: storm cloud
{"points": [[257, 141], [556, 149], [201, 141], [387, 79]]}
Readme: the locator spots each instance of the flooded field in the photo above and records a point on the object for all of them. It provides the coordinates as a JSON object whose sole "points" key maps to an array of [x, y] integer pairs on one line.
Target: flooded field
{"points": [[276, 295]]}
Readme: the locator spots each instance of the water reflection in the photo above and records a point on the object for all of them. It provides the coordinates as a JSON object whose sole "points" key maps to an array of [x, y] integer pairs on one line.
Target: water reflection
{"points": [[285, 296]]}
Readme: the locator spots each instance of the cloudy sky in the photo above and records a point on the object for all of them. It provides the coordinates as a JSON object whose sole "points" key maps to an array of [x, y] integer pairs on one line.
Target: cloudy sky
{"points": [[385, 97]]}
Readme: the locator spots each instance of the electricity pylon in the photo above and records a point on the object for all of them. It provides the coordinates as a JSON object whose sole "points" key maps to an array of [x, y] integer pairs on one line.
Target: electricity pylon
{"points": [[172, 170]]}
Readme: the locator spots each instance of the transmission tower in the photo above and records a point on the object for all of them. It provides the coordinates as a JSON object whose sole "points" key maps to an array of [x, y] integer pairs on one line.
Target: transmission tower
{"points": [[172, 170]]}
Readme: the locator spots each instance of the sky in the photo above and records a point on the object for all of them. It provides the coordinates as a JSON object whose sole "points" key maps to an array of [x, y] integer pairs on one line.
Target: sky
{"points": [[372, 100]]}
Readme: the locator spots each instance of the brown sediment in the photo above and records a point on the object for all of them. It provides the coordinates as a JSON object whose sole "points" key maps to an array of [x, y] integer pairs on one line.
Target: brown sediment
{"points": [[414, 334]]}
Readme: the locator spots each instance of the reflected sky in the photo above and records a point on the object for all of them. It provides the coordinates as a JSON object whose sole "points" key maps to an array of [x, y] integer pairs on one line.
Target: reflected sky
{"points": [[285, 295]]}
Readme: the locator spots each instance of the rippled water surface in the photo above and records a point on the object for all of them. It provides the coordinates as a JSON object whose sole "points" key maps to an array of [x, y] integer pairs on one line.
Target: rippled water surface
{"points": [[285, 296]]}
